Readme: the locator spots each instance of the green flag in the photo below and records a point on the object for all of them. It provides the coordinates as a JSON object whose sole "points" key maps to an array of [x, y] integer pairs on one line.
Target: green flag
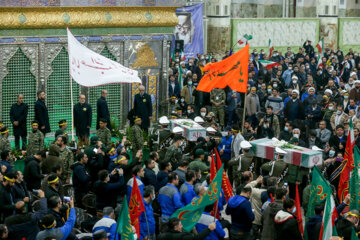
{"points": [[173, 56], [354, 235], [191, 213], [124, 227], [209, 59], [354, 186], [320, 189], [180, 77]]}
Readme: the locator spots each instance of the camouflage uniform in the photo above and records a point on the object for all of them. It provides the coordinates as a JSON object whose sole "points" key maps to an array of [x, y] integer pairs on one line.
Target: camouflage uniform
{"points": [[104, 136], [62, 132], [167, 107], [67, 158], [247, 164], [36, 142], [218, 96], [137, 138], [4, 144], [276, 171], [173, 155]]}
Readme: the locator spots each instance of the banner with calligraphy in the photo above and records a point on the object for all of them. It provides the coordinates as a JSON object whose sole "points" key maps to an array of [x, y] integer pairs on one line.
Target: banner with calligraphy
{"points": [[190, 29], [91, 69]]}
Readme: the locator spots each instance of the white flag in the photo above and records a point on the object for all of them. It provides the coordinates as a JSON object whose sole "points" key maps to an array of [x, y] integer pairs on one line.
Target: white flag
{"points": [[90, 69]]}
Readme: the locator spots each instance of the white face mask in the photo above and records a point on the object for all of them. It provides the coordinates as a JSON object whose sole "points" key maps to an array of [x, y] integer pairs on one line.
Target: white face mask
{"points": [[135, 236], [294, 210], [296, 135], [331, 108], [189, 111], [338, 112], [202, 114], [294, 82], [153, 198]]}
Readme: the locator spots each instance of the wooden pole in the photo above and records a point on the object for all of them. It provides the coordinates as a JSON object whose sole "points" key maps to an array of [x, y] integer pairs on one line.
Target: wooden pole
{"points": [[243, 119], [72, 111]]}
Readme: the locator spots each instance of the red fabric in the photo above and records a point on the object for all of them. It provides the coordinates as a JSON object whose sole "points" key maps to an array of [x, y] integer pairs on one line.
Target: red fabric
{"points": [[226, 185], [343, 188], [298, 211], [136, 206]]}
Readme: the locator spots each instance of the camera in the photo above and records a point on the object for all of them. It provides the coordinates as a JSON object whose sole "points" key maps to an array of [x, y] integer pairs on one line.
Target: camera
{"points": [[36, 192], [67, 199]]}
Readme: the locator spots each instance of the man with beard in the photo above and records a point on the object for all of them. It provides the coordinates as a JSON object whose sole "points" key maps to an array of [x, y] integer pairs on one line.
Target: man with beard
{"points": [[18, 115], [41, 113], [36, 139], [355, 92], [66, 157], [143, 108], [82, 120], [294, 108]]}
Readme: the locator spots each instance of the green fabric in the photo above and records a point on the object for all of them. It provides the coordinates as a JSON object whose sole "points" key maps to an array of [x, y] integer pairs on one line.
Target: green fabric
{"points": [[319, 191], [354, 186], [295, 173], [123, 224], [191, 213]]}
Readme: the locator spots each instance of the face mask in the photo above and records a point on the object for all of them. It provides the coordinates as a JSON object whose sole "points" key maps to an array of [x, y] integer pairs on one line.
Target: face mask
{"points": [[275, 85], [312, 139], [190, 64], [331, 153], [346, 97], [135, 236], [331, 108], [182, 100], [265, 126], [294, 210], [296, 135], [338, 112], [189, 83], [286, 129], [202, 114], [269, 90], [294, 82], [153, 198], [176, 101], [188, 111], [290, 68]]}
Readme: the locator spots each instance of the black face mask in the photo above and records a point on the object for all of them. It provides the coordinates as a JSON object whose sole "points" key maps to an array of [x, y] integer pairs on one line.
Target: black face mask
{"points": [[34, 131], [8, 188]]}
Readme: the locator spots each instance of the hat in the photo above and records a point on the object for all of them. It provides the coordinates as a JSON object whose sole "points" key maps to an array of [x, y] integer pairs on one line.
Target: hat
{"points": [[102, 120], [164, 120], [34, 123], [210, 114], [199, 120], [294, 77], [357, 81], [295, 91], [199, 152], [245, 144], [174, 115], [311, 89], [173, 97], [325, 96], [253, 88], [346, 94], [352, 74], [137, 118], [294, 140], [328, 91], [187, 72], [210, 129], [62, 122], [182, 62], [53, 178], [177, 130], [270, 87], [99, 234]]}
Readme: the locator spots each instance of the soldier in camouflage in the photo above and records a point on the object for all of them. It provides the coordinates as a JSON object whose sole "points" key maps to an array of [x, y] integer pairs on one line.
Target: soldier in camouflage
{"points": [[218, 98], [137, 136], [67, 158], [103, 133], [174, 152], [245, 162], [62, 130], [169, 106], [4, 141], [36, 139], [160, 135]]}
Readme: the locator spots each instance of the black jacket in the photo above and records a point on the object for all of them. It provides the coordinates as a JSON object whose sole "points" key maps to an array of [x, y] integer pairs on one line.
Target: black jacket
{"points": [[143, 109], [175, 235], [106, 193], [25, 226], [102, 112], [50, 192], [32, 174], [42, 116], [19, 191], [82, 119], [344, 228], [149, 177], [81, 178], [286, 226], [19, 113], [7, 206]]}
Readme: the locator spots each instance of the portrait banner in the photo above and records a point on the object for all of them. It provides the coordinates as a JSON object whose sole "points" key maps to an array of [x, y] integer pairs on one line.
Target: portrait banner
{"points": [[190, 29]]}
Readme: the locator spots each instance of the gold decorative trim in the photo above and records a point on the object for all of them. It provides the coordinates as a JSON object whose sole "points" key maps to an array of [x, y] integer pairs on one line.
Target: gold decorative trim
{"points": [[87, 17]]}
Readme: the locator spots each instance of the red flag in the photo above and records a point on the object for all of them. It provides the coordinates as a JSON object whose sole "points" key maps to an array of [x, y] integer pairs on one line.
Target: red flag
{"points": [[298, 211], [343, 188], [212, 168], [136, 206], [226, 185]]}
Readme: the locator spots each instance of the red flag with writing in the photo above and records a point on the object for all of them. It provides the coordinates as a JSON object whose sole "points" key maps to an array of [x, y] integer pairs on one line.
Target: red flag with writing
{"points": [[136, 206], [226, 185], [298, 211]]}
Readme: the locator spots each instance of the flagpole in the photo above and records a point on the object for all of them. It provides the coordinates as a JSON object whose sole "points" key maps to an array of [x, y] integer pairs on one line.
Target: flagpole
{"points": [[147, 224], [71, 108], [216, 208]]}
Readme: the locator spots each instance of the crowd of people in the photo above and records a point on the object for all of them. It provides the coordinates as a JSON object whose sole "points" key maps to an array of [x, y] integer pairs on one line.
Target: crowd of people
{"points": [[76, 191]]}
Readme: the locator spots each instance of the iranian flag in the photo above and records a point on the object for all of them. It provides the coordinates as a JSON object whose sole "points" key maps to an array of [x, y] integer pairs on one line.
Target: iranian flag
{"points": [[173, 56], [182, 56], [269, 64], [271, 48], [328, 228], [320, 47], [180, 79], [245, 39]]}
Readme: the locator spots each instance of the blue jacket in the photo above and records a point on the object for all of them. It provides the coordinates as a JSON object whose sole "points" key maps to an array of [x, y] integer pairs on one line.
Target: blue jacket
{"points": [[232, 102], [62, 232], [242, 216], [150, 219], [204, 223], [80, 177], [187, 193], [161, 180], [8, 166], [129, 187], [305, 95], [169, 199], [109, 225], [149, 177], [226, 141]]}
